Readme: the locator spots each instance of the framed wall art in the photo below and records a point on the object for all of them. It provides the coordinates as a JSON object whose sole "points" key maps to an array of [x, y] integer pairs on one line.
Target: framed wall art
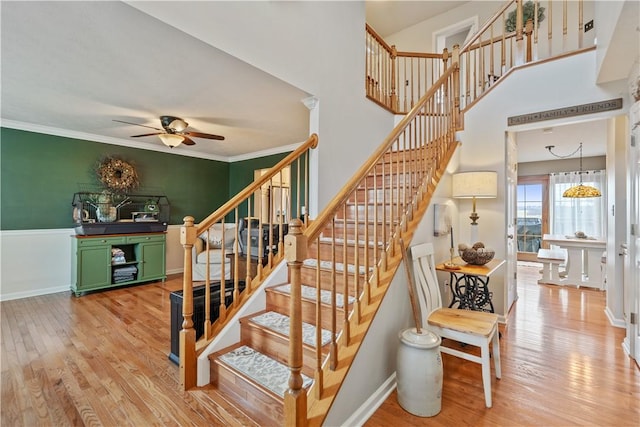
{"points": [[441, 220]]}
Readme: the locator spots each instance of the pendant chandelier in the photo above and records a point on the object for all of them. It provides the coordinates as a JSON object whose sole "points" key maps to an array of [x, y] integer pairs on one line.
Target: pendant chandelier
{"points": [[579, 191]]}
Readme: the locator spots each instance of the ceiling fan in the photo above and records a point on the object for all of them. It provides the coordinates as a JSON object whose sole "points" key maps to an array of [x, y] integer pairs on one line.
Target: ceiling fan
{"points": [[173, 132]]}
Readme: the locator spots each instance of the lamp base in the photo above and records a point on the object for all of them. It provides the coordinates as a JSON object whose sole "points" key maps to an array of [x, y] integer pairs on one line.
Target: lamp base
{"points": [[474, 233], [451, 266], [474, 218]]}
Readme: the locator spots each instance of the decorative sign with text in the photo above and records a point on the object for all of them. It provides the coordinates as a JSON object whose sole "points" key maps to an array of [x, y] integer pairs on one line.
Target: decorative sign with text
{"points": [[560, 113]]}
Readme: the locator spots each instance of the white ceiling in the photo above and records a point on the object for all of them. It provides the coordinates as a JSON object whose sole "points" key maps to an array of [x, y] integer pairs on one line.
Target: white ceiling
{"points": [[389, 17], [76, 66], [565, 139], [70, 68]]}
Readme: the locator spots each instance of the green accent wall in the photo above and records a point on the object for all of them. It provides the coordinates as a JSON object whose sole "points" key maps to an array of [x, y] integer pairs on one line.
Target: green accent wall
{"points": [[39, 174]]}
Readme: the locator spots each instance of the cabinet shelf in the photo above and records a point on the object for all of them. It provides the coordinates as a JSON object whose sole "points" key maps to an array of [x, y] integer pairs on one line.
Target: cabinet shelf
{"points": [[92, 267], [120, 264]]}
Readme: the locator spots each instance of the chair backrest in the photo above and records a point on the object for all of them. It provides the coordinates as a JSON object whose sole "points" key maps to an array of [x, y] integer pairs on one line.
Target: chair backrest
{"points": [[424, 271]]}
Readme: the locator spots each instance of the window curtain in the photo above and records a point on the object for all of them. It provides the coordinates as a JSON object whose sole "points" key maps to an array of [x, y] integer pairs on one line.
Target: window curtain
{"points": [[568, 215]]}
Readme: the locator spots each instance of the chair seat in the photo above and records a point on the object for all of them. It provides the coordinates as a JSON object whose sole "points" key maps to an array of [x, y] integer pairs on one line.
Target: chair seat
{"points": [[466, 321]]}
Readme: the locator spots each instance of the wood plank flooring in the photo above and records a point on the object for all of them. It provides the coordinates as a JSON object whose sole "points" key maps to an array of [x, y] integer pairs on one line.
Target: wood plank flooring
{"points": [[102, 360], [562, 365]]}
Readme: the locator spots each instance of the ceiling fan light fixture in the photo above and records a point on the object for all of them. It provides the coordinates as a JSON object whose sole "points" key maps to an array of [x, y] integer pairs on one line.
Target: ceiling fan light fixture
{"points": [[171, 139], [178, 125]]}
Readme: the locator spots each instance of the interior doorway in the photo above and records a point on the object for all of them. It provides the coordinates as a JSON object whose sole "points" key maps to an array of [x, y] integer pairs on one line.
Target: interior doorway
{"points": [[271, 203], [459, 34]]}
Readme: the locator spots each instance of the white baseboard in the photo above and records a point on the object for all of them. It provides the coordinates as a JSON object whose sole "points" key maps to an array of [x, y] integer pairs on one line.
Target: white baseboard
{"points": [[618, 323], [371, 405], [35, 292], [626, 347]]}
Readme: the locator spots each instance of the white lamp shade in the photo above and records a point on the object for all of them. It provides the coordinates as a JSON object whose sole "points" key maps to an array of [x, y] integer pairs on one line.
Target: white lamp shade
{"points": [[481, 185], [170, 139]]}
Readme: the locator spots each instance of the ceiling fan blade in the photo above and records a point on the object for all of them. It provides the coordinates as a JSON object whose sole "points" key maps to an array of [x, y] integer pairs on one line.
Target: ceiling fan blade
{"points": [[187, 141], [136, 124], [147, 134], [204, 135]]}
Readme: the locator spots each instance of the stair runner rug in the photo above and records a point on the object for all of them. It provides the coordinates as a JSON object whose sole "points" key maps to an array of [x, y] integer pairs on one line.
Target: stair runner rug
{"points": [[312, 262], [262, 369], [309, 292], [280, 323]]}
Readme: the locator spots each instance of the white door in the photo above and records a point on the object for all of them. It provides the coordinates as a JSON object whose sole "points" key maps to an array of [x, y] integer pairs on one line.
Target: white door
{"points": [[511, 174], [632, 262]]}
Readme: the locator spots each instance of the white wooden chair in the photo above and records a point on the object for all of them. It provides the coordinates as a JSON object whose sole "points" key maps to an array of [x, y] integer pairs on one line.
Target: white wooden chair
{"points": [[465, 326]]}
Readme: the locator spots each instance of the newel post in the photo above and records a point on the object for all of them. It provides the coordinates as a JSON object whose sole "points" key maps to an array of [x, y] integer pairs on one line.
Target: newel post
{"points": [[188, 333], [295, 398], [394, 95], [520, 54], [445, 59], [528, 30], [455, 61]]}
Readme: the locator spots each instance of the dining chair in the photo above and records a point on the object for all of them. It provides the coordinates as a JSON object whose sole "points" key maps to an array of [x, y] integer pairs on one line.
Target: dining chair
{"points": [[468, 327]]}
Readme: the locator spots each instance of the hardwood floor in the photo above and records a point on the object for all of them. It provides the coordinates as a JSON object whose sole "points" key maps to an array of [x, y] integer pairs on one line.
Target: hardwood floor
{"points": [[102, 360], [562, 364]]}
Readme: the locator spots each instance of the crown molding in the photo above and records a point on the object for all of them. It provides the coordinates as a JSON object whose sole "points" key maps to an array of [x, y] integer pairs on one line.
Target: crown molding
{"points": [[179, 151]]}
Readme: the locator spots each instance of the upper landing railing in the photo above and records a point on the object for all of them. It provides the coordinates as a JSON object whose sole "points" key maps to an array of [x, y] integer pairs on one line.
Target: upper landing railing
{"points": [[517, 34]]}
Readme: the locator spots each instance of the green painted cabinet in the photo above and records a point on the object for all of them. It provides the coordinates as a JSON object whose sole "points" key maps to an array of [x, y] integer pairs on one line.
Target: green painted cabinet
{"points": [[100, 262], [150, 251]]}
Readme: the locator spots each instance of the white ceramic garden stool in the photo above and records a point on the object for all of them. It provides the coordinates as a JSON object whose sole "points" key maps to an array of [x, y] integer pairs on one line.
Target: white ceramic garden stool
{"points": [[419, 372]]}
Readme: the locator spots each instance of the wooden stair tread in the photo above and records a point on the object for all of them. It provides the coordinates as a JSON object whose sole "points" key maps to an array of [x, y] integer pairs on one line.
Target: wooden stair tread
{"points": [[260, 369], [474, 322], [310, 293], [279, 323]]}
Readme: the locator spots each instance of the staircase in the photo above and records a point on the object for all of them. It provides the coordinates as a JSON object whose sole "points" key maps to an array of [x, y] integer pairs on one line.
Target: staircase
{"points": [[335, 291], [294, 353]]}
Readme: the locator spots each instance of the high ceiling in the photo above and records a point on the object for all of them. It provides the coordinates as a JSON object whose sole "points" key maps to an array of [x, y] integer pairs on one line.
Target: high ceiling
{"points": [[389, 17], [76, 66], [71, 68]]}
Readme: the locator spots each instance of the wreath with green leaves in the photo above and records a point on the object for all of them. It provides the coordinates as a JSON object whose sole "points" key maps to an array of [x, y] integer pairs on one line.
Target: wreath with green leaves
{"points": [[528, 12], [117, 175]]}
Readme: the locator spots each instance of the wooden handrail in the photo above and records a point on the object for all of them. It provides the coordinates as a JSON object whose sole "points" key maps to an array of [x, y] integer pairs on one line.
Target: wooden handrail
{"points": [[189, 233], [420, 55], [379, 39], [486, 25], [316, 227], [360, 230], [310, 143]]}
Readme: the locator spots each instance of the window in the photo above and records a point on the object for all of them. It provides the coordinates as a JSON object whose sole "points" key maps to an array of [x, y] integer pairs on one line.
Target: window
{"points": [[570, 215], [532, 208]]}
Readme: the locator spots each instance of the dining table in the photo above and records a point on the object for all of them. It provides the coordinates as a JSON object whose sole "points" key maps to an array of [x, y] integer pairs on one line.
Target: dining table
{"points": [[584, 259]]}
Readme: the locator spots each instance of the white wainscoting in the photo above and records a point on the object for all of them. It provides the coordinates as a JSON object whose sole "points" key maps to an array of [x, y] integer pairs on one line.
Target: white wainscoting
{"points": [[38, 262]]}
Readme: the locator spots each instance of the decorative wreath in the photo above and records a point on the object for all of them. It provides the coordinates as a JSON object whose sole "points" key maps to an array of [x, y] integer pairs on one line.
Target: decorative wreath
{"points": [[117, 175]]}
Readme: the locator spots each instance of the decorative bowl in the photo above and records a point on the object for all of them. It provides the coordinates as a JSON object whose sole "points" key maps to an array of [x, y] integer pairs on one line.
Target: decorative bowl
{"points": [[476, 255]]}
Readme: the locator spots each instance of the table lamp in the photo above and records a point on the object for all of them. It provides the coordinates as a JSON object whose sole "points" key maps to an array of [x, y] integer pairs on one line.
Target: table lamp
{"points": [[475, 185]]}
